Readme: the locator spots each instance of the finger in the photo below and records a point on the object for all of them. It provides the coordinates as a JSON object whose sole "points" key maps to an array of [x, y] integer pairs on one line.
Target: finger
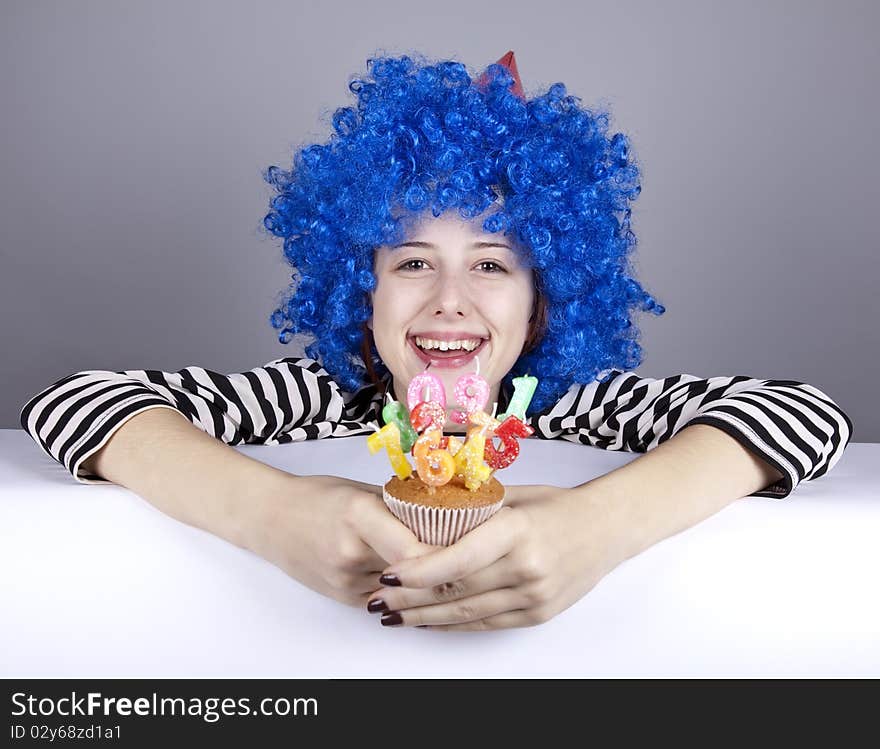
{"points": [[498, 575], [476, 550], [475, 608], [386, 535], [506, 620]]}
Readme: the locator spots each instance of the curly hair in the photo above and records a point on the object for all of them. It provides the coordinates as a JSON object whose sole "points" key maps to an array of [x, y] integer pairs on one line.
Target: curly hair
{"points": [[425, 136]]}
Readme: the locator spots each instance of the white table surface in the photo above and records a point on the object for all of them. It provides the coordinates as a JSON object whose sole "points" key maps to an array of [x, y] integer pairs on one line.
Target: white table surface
{"points": [[95, 582]]}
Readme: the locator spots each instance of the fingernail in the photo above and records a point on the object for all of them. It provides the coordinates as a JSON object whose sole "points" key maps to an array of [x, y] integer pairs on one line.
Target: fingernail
{"points": [[391, 619], [376, 605], [390, 580]]}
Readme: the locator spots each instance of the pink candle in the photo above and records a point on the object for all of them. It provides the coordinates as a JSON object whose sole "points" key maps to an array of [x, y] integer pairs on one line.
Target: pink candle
{"points": [[471, 393], [415, 392]]}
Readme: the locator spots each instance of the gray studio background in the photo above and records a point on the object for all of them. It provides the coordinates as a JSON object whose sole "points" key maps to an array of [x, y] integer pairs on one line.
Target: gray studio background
{"points": [[134, 135]]}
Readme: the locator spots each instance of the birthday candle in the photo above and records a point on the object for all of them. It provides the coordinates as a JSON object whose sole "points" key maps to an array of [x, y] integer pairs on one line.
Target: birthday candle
{"points": [[482, 419], [435, 467], [395, 413], [523, 390], [467, 400], [389, 438], [453, 444], [508, 432], [427, 414], [470, 403], [436, 391], [469, 459]]}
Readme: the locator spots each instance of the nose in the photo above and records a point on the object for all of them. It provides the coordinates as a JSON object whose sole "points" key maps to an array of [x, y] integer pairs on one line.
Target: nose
{"points": [[451, 296]]}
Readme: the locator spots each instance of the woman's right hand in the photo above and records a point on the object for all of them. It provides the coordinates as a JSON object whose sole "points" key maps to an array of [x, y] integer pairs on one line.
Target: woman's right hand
{"points": [[333, 535]]}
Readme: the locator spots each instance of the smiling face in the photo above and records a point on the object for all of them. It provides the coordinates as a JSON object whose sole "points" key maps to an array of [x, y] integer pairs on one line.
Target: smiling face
{"points": [[454, 285]]}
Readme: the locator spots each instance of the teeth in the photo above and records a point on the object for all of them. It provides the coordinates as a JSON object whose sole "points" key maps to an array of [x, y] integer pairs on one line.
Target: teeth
{"points": [[430, 343]]}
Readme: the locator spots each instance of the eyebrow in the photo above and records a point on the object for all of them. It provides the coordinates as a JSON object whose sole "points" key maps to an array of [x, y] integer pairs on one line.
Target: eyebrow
{"points": [[429, 246]]}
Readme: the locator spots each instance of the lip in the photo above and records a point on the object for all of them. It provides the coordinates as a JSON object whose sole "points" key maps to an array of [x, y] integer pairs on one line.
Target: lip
{"points": [[449, 362]]}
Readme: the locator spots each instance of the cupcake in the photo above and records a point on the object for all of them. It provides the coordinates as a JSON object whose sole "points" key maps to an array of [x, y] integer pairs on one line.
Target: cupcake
{"points": [[446, 515], [453, 489]]}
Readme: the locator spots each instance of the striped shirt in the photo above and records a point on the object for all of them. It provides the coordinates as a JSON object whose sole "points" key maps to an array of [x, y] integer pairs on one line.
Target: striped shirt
{"points": [[792, 426]]}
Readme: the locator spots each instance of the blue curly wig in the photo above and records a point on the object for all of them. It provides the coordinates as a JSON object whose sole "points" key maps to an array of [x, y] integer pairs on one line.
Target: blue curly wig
{"points": [[424, 137]]}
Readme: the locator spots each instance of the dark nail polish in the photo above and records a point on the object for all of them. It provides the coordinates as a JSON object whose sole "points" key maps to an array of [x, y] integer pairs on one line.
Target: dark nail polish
{"points": [[376, 605], [390, 580], [392, 618]]}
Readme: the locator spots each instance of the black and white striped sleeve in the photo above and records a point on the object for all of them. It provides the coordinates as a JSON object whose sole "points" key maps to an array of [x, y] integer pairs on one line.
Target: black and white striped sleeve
{"points": [[792, 426], [286, 400]]}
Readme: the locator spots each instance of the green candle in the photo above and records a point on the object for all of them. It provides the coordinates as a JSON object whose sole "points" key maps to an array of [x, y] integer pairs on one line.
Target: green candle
{"points": [[396, 413], [523, 390]]}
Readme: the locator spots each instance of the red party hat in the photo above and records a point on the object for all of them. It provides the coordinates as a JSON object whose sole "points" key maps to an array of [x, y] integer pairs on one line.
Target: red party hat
{"points": [[509, 62]]}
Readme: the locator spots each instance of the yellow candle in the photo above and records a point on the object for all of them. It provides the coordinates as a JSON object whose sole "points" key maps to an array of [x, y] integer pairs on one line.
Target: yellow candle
{"points": [[482, 419], [469, 461], [389, 438], [454, 444]]}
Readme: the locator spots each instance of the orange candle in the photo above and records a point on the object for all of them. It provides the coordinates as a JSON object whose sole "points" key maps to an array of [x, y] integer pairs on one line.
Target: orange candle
{"points": [[435, 467]]}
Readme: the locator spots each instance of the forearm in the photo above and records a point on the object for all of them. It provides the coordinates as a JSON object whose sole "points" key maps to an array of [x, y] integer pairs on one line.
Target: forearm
{"points": [[676, 485], [188, 474]]}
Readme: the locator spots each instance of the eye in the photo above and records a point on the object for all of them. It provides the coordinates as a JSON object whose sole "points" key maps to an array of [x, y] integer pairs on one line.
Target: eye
{"points": [[411, 264], [494, 267]]}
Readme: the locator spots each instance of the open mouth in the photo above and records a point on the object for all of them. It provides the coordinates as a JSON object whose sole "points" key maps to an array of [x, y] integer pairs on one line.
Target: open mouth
{"points": [[449, 359]]}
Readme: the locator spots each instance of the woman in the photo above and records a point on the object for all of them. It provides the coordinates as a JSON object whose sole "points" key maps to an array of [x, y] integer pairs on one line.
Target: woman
{"points": [[447, 210]]}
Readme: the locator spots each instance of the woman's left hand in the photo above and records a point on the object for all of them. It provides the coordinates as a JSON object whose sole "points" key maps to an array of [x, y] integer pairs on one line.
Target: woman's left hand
{"points": [[543, 551]]}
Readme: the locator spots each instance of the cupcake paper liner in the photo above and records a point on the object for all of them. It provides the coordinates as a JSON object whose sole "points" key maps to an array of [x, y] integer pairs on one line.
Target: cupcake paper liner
{"points": [[439, 526]]}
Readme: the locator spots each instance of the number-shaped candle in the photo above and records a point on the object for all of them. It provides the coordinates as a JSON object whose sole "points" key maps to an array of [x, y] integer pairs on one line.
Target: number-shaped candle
{"points": [[428, 414], [471, 393], [469, 459], [435, 467], [395, 413], [510, 429], [453, 444], [467, 401], [415, 391], [389, 438], [482, 419], [523, 390]]}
